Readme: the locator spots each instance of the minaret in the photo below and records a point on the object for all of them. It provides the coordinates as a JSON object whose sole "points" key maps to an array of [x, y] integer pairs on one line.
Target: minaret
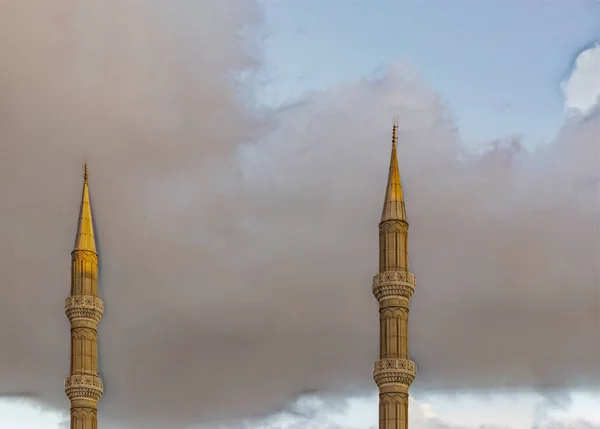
{"points": [[393, 287], [84, 310]]}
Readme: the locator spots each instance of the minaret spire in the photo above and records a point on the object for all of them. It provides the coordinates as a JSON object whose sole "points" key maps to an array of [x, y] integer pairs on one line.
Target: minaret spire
{"points": [[393, 287], [393, 207], [85, 240], [84, 310]]}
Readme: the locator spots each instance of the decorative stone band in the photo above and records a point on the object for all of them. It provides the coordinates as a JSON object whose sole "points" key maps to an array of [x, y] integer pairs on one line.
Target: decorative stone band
{"points": [[84, 387], [387, 372], [394, 284], [84, 307]]}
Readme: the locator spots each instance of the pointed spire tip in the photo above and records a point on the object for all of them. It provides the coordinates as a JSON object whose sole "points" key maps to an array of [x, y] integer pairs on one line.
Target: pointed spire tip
{"points": [[393, 206], [85, 239]]}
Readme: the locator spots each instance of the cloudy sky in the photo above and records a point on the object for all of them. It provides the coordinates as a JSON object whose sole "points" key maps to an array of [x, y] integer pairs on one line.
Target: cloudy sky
{"points": [[238, 155]]}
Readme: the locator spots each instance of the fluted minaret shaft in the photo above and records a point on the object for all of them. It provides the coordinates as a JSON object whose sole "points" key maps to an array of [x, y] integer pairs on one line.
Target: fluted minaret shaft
{"points": [[393, 287], [84, 310]]}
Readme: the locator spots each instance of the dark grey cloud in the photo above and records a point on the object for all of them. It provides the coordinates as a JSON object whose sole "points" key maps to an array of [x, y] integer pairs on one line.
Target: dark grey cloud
{"points": [[238, 246]]}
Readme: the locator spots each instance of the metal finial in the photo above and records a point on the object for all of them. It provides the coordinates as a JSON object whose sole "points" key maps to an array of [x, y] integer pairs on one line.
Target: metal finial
{"points": [[85, 172], [395, 135]]}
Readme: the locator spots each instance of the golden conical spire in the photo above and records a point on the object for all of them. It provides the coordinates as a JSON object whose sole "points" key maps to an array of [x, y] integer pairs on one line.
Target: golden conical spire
{"points": [[393, 206], [85, 229]]}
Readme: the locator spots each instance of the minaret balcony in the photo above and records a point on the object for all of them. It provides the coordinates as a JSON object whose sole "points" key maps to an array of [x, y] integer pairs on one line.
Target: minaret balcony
{"points": [[84, 387], [394, 285], [84, 308], [390, 372]]}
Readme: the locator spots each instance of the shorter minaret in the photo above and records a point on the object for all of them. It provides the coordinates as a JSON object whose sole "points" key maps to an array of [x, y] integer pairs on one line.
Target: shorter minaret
{"points": [[84, 310], [393, 287]]}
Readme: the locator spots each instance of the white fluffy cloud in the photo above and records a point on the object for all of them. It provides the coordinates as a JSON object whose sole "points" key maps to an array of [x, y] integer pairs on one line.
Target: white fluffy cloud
{"points": [[354, 413], [479, 413], [238, 247], [582, 87]]}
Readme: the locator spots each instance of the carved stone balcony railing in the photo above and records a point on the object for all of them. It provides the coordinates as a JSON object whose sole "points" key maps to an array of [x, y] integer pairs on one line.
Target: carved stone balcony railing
{"points": [[388, 372], [86, 387], [84, 307], [394, 284]]}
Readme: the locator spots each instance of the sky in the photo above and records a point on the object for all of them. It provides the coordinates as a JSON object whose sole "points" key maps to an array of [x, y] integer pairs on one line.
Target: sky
{"points": [[499, 64], [211, 128]]}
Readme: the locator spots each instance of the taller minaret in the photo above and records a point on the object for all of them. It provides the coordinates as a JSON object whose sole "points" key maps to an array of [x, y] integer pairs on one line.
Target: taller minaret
{"points": [[393, 287], [84, 310]]}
